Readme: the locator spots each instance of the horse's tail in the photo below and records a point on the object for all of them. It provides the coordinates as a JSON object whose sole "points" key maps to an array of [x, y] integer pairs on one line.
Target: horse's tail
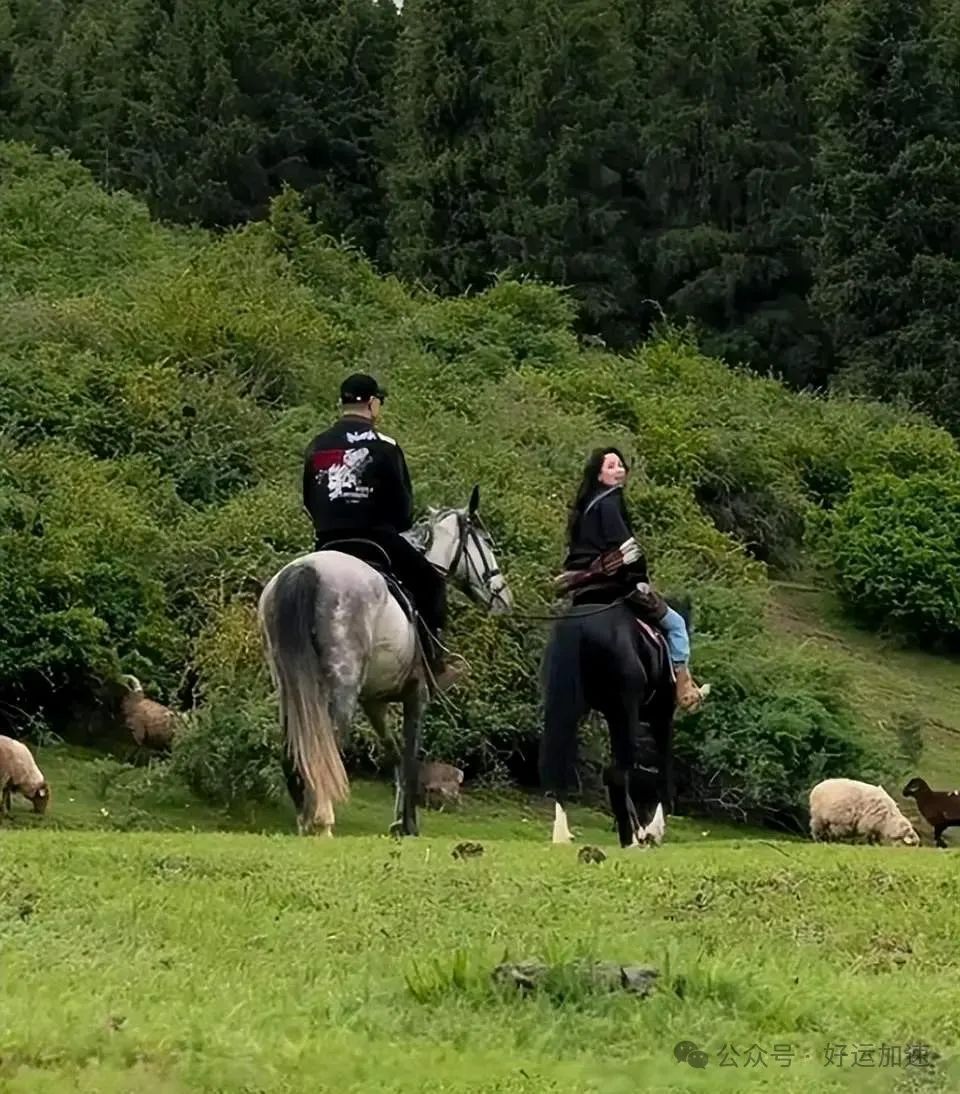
{"points": [[303, 678], [563, 708]]}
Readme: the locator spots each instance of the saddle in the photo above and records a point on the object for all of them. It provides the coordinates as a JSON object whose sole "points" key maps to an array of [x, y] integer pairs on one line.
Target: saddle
{"points": [[594, 586], [370, 552]]}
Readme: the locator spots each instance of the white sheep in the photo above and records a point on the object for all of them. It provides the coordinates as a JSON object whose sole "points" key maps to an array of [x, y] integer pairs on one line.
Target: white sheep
{"points": [[847, 808], [19, 771]]}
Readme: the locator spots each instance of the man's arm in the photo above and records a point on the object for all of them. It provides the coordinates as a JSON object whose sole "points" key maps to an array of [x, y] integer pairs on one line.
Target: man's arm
{"points": [[404, 495]]}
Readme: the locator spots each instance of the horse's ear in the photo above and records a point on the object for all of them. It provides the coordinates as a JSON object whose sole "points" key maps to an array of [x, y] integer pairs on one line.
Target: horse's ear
{"points": [[474, 501]]}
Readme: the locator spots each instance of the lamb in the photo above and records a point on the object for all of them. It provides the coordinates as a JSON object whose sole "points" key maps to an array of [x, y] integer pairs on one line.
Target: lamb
{"points": [[440, 778], [19, 771], [152, 724], [844, 808], [939, 808]]}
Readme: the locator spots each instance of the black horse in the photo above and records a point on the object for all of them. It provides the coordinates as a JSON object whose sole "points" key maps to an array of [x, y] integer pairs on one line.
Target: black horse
{"points": [[602, 657]]}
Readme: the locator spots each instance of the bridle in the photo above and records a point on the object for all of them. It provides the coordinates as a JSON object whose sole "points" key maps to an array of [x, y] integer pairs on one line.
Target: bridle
{"points": [[469, 531], [467, 528]]}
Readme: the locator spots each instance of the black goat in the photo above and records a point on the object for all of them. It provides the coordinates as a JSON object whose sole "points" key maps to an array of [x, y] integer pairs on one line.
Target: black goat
{"points": [[939, 808]]}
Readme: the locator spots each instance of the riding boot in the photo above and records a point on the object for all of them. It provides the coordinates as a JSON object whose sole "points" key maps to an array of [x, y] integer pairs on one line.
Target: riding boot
{"points": [[689, 695]]}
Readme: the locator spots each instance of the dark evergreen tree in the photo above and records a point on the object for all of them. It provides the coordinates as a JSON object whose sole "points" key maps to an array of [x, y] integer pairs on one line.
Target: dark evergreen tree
{"points": [[726, 140], [888, 184], [441, 176], [565, 153], [209, 107]]}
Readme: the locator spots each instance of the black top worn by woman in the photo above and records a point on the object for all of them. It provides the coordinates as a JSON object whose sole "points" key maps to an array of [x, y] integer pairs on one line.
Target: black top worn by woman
{"points": [[603, 525]]}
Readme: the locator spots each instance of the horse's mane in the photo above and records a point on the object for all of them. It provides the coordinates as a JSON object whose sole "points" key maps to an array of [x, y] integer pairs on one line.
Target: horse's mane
{"points": [[421, 534]]}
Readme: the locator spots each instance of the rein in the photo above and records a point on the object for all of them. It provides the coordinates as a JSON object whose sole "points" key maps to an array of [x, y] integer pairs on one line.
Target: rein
{"points": [[467, 528]]}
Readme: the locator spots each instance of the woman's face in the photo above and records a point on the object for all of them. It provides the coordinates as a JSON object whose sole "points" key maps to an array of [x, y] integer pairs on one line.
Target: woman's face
{"points": [[612, 471]]}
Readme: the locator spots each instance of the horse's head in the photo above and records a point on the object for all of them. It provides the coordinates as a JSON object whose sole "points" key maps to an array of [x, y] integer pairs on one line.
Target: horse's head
{"points": [[460, 547]]}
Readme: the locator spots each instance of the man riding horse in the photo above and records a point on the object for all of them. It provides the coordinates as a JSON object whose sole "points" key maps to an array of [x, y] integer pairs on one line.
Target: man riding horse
{"points": [[356, 484], [604, 562]]}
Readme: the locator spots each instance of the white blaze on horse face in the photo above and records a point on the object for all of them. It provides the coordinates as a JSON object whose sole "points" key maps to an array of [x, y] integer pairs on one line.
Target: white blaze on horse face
{"points": [[561, 830], [479, 562]]}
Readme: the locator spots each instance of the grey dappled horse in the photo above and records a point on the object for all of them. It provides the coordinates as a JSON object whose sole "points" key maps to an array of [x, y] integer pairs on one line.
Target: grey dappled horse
{"points": [[336, 638]]}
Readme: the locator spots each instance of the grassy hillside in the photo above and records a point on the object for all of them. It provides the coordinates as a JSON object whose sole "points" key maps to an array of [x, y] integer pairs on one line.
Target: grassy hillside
{"points": [[893, 687], [157, 389], [152, 942]]}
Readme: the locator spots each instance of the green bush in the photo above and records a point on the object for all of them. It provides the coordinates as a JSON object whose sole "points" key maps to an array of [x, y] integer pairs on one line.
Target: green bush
{"points": [[81, 586], [895, 546], [775, 725], [230, 752]]}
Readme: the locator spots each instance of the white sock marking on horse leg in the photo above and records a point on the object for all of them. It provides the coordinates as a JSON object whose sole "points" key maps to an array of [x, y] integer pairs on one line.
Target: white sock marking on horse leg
{"points": [[325, 819], [561, 830], [657, 827]]}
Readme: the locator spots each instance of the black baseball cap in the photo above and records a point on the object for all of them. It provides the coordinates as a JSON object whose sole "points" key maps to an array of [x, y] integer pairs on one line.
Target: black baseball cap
{"points": [[360, 388]]}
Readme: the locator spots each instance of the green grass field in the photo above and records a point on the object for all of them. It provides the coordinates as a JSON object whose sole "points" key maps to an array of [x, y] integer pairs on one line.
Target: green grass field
{"points": [[146, 946], [150, 942]]}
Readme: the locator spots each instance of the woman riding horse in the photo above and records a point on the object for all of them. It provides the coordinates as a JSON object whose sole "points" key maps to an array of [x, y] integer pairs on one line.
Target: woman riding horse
{"points": [[604, 561]]}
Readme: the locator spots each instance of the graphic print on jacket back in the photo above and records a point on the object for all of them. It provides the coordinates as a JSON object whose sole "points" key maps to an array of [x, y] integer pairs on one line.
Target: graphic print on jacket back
{"points": [[340, 471], [355, 477]]}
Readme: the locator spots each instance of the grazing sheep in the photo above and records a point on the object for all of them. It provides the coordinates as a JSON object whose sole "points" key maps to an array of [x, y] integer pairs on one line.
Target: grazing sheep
{"points": [[152, 724], [442, 779], [939, 808], [19, 771], [847, 808]]}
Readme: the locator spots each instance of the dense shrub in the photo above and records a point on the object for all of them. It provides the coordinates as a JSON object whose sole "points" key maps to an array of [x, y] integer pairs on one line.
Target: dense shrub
{"points": [[230, 751], [775, 726], [81, 584], [895, 545], [156, 415]]}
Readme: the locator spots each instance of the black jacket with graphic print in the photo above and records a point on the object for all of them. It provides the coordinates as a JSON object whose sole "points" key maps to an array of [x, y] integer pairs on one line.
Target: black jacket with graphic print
{"points": [[356, 479]]}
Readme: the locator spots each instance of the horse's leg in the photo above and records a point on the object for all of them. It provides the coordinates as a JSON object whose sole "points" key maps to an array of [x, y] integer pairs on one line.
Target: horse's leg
{"points": [[659, 743], [644, 785], [376, 713], [297, 789], [318, 812], [621, 805], [414, 702], [565, 704], [633, 778]]}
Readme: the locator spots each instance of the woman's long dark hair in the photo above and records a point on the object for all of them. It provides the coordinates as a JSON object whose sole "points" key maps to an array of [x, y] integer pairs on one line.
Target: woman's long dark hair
{"points": [[590, 484]]}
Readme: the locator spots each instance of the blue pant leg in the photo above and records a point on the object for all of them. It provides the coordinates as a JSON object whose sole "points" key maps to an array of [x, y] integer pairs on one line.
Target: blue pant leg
{"points": [[677, 638]]}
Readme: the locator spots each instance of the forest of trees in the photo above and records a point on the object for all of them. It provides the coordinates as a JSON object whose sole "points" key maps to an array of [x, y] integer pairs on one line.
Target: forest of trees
{"points": [[784, 175]]}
